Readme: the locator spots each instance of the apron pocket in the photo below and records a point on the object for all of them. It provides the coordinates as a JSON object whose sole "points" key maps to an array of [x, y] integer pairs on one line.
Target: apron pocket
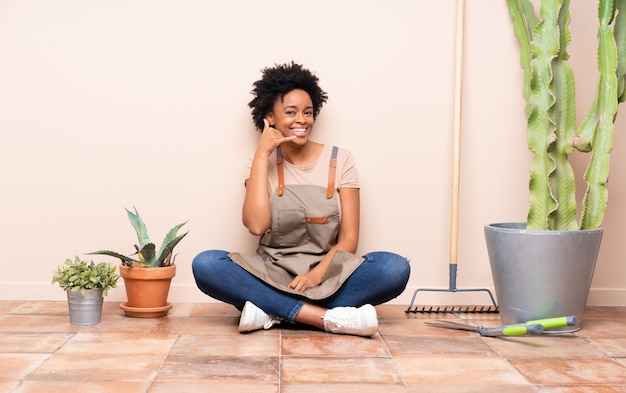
{"points": [[289, 228]]}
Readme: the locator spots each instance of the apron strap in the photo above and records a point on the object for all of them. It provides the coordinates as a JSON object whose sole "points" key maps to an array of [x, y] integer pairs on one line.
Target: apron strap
{"points": [[281, 172], [332, 170]]}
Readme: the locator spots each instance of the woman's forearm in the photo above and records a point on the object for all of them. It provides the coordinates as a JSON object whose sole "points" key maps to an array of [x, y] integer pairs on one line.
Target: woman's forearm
{"points": [[256, 212]]}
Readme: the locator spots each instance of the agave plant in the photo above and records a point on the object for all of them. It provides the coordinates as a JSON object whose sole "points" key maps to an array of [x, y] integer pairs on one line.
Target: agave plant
{"points": [[146, 255], [551, 110]]}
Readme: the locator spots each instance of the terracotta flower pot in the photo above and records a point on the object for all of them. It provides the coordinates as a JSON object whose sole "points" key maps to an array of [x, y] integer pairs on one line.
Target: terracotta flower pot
{"points": [[147, 290]]}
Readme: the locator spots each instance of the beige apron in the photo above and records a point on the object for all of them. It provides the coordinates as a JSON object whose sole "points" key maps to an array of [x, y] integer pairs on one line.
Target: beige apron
{"points": [[305, 226]]}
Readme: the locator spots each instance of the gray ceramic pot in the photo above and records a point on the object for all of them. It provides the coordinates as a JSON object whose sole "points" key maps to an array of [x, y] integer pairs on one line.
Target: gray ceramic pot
{"points": [[541, 274]]}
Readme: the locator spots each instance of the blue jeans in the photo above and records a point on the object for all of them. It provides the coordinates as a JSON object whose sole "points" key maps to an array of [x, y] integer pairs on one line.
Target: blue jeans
{"points": [[381, 277]]}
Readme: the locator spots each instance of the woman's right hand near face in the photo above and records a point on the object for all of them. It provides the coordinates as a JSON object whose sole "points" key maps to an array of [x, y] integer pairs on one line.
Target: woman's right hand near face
{"points": [[271, 138], [256, 207]]}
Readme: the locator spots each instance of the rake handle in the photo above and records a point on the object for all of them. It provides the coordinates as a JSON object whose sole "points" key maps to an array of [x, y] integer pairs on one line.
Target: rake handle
{"points": [[456, 164]]}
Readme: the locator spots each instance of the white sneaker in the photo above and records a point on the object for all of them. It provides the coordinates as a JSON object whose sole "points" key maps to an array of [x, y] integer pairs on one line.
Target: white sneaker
{"points": [[253, 318], [361, 321]]}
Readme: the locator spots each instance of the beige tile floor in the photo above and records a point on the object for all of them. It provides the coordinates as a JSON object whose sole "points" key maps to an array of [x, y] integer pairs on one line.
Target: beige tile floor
{"points": [[197, 348]]}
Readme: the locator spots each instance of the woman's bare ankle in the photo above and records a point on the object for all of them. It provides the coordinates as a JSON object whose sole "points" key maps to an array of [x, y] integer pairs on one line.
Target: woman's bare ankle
{"points": [[312, 315]]}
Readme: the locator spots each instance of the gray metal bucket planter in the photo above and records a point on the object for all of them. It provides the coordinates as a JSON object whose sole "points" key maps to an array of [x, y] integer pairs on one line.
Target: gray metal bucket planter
{"points": [[85, 309], [541, 274]]}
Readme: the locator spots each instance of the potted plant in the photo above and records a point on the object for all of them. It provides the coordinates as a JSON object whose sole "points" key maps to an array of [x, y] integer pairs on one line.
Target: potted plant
{"points": [[543, 268], [85, 284], [148, 272]]}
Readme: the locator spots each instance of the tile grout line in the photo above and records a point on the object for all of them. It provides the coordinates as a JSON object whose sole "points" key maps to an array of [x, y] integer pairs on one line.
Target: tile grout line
{"points": [[537, 386], [602, 351], [280, 361], [530, 384], [180, 333], [49, 355], [393, 361]]}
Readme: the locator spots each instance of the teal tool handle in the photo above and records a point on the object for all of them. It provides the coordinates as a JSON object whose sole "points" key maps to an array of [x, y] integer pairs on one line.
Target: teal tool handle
{"points": [[518, 330], [551, 323]]}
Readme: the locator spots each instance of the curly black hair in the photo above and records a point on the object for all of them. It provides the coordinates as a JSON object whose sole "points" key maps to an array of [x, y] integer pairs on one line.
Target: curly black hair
{"points": [[278, 81]]}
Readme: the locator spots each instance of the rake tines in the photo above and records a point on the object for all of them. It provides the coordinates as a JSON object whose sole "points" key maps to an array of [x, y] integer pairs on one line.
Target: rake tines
{"points": [[453, 309], [493, 308]]}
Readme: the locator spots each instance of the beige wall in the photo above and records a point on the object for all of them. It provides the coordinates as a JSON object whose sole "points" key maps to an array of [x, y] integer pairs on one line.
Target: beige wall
{"points": [[113, 104]]}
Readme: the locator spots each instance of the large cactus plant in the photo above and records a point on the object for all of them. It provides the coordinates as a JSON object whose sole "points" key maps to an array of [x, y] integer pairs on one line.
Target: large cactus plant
{"points": [[551, 111]]}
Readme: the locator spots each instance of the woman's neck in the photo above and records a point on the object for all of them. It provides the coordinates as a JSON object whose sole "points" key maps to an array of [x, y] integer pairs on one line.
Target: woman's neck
{"points": [[302, 155]]}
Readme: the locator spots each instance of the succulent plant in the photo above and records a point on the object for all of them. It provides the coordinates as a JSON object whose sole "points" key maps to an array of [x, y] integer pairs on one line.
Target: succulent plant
{"points": [[80, 275], [146, 253]]}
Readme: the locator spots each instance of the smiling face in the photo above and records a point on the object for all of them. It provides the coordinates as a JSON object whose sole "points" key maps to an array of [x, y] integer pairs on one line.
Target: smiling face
{"points": [[293, 115]]}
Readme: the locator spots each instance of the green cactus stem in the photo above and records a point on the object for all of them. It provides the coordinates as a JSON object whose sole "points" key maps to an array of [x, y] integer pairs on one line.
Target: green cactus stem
{"points": [[549, 91]]}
